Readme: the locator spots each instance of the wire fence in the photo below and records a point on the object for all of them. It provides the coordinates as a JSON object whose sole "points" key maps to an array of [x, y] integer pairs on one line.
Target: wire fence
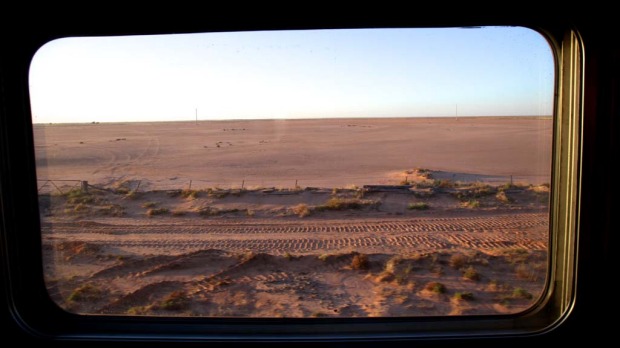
{"points": [[62, 186]]}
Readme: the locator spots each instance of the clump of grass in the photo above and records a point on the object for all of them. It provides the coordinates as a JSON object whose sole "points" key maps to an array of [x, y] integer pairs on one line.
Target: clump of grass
{"points": [[176, 300], [111, 210], [337, 203], [385, 277], [301, 210], [207, 211], [77, 196], [472, 204], [86, 292], [323, 257], [133, 195], [391, 264], [191, 194], [502, 197], [443, 183], [178, 213], [173, 193], [464, 296], [495, 285], [250, 212], [122, 190], [138, 310], [423, 172], [149, 204], [81, 208], [471, 274], [435, 287], [418, 206], [157, 211], [458, 261], [217, 192], [524, 271], [510, 186], [360, 261], [475, 190], [517, 256], [521, 293], [288, 256]]}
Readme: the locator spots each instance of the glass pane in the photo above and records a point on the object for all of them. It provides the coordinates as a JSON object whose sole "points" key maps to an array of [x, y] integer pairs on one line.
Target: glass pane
{"points": [[319, 173]]}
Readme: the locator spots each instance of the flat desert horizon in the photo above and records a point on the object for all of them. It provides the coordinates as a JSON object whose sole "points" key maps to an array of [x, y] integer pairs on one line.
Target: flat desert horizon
{"points": [[296, 218]]}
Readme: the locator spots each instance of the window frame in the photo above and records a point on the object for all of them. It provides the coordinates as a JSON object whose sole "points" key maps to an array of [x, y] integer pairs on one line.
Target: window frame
{"points": [[36, 313]]}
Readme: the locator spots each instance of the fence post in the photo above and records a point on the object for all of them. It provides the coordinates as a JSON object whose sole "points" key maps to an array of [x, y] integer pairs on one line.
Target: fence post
{"points": [[84, 186], [190, 186], [242, 184]]}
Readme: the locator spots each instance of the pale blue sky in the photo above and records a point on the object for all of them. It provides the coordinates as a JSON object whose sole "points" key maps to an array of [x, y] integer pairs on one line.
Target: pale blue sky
{"points": [[491, 71]]}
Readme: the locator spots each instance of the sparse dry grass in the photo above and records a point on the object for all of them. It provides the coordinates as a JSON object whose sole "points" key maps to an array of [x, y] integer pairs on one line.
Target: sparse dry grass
{"points": [[471, 273], [149, 204], [472, 204], [435, 287], [521, 293], [444, 183], [190, 194], [360, 261], [86, 292], [157, 211], [301, 210], [524, 271], [464, 296], [111, 210], [418, 206], [458, 261], [177, 300], [502, 197], [217, 192], [337, 203]]}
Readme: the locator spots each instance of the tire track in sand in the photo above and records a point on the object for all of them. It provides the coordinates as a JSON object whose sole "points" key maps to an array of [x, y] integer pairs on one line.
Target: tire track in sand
{"points": [[527, 231]]}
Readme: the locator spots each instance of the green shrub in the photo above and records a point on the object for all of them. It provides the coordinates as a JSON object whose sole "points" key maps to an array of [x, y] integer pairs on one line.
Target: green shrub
{"points": [[418, 206], [435, 287]]}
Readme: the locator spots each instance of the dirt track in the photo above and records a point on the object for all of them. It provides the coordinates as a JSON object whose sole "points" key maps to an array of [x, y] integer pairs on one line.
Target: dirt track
{"points": [[482, 232]]}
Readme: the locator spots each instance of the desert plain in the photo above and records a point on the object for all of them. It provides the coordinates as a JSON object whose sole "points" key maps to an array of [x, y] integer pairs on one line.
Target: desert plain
{"points": [[296, 218]]}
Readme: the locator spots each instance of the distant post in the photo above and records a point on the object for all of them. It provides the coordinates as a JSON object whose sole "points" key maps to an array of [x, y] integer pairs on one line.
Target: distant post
{"points": [[84, 186], [196, 116]]}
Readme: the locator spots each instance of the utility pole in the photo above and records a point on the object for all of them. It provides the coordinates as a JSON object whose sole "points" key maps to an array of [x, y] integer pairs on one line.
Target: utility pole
{"points": [[196, 116]]}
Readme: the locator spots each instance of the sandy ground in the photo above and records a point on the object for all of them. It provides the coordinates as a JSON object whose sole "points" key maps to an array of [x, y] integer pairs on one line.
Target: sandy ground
{"points": [[279, 153], [455, 240]]}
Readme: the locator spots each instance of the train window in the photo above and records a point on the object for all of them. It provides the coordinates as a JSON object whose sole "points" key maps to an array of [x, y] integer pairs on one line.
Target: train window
{"points": [[333, 176]]}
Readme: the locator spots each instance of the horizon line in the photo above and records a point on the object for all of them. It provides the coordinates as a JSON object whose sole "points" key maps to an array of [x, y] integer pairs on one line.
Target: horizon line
{"points": [[293, 119]]}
